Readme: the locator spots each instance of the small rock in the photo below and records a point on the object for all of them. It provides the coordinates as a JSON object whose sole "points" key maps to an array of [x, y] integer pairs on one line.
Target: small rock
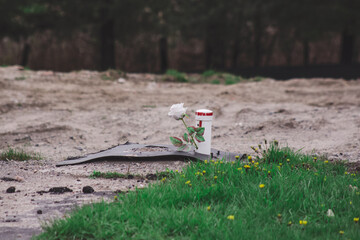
{"points": [[39, 211], [87, 189], [121, 80], [130, 176], [10, 190]]}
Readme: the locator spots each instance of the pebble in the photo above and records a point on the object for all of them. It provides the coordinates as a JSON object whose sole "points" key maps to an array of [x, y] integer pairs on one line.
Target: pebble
{"points": [[10, 190], [39, 211], [87, 189]]}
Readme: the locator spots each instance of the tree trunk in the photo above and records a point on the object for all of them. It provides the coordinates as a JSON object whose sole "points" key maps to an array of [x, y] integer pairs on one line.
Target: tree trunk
{"points": [[347, 47], [25, 54], [257, 40], [163, 47], [107, 45], [306, 52], [208, 55]]}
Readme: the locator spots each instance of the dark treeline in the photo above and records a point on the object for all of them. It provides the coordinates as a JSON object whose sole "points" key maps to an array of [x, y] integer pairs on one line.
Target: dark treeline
{"points": [[189, 35]]}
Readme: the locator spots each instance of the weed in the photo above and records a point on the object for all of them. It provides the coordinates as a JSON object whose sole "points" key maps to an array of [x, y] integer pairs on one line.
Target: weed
{"points": [[215, 81], [18, 155], [209, 73], [178, 76]]}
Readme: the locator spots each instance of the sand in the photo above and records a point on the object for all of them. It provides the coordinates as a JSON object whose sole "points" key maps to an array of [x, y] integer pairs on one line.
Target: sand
{"points": [[69, 114]]}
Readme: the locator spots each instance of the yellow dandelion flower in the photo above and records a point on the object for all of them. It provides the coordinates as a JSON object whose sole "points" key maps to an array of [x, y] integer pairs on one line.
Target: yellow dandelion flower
{"points": [[246, 166], [232, 162], [315, 158], [188, 182], [212, 161], [237, 157], [261, 185], [289, 223], [279, 167], [249, 158], [176, 171], [356, 220], [301, 222], [357, 193], [190, 185], [215, 177], [279, 215], [204, 172], [206, 161], [269, 172], [231, 217], [341, 232], [350, 202], [326, 161], [208, 208], [221, 162], [239, 168], [288, 160], [164, 179], [280, 164], [346, 173], [304, 222], [256, 149], [115, 198]]}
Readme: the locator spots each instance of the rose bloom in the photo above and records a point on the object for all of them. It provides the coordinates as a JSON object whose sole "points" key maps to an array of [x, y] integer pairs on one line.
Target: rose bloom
{"points": [[177, 111]]}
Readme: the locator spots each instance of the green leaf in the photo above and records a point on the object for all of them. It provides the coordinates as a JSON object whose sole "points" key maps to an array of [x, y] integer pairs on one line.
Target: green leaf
{"points": [[199, 138], [181, 148], [177, 142], [186, 137], [200, 131], [191, 130]]}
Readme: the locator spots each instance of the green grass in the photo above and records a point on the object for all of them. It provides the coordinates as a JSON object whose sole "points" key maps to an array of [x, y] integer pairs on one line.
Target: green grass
{"points": [[178, 76], [267, 194], [18, 155]]}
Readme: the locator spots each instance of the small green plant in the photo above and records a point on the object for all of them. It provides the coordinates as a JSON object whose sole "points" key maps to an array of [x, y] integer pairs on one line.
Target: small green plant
{"points": [[97, 174], [215, 81], [18, 155], [20, 78], [258, 79], [178, 76], [208, 73]]}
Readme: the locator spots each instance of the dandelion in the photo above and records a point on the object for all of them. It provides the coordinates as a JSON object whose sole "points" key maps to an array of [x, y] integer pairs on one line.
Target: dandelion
{"points": [[246, 166], [116, 198], [237, 157], [232, 162], [206, 161], [208, 208], [187, 182], [176, 171], [239, 168], [221, 162], [315, 158], [303, 222], [288, 160], [164, 179], [350, 202], [215, 177], [341, 232], [279, 215], [231, 217], [346, 173], [261, 185], [249, 158], [204, 172], [326, 161], [280, 164], [269, 172], [356, 220], [289, 223]]}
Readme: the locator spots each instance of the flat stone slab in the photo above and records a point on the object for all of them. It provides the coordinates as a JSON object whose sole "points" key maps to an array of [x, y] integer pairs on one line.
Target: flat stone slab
{"points": [[141, 152]]}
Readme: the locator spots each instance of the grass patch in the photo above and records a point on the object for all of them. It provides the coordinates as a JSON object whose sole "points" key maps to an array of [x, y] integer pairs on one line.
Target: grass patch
{"points": [[115, 175], [18, 155], [275, 194], [176, 75]]}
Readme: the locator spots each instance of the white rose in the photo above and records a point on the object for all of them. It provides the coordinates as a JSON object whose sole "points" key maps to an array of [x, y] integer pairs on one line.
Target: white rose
{"points": [[177, 111]]}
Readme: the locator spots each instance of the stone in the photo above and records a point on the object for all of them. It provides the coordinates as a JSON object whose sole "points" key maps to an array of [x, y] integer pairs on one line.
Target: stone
{"points": [[88, 189], [10, 190]]}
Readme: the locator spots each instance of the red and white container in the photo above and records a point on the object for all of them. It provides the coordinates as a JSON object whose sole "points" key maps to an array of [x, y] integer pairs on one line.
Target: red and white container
{"points": [[204, 119]]}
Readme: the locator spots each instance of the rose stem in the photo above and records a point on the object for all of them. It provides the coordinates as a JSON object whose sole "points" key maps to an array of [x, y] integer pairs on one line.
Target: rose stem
{"points": [[182, 119]]}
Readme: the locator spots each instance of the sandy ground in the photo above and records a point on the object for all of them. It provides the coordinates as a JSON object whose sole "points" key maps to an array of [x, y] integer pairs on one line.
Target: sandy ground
{"points": [[70, 114]]}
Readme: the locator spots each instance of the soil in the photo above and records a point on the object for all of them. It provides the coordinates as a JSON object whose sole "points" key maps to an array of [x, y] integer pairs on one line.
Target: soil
{"points": [[60, 115]]}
